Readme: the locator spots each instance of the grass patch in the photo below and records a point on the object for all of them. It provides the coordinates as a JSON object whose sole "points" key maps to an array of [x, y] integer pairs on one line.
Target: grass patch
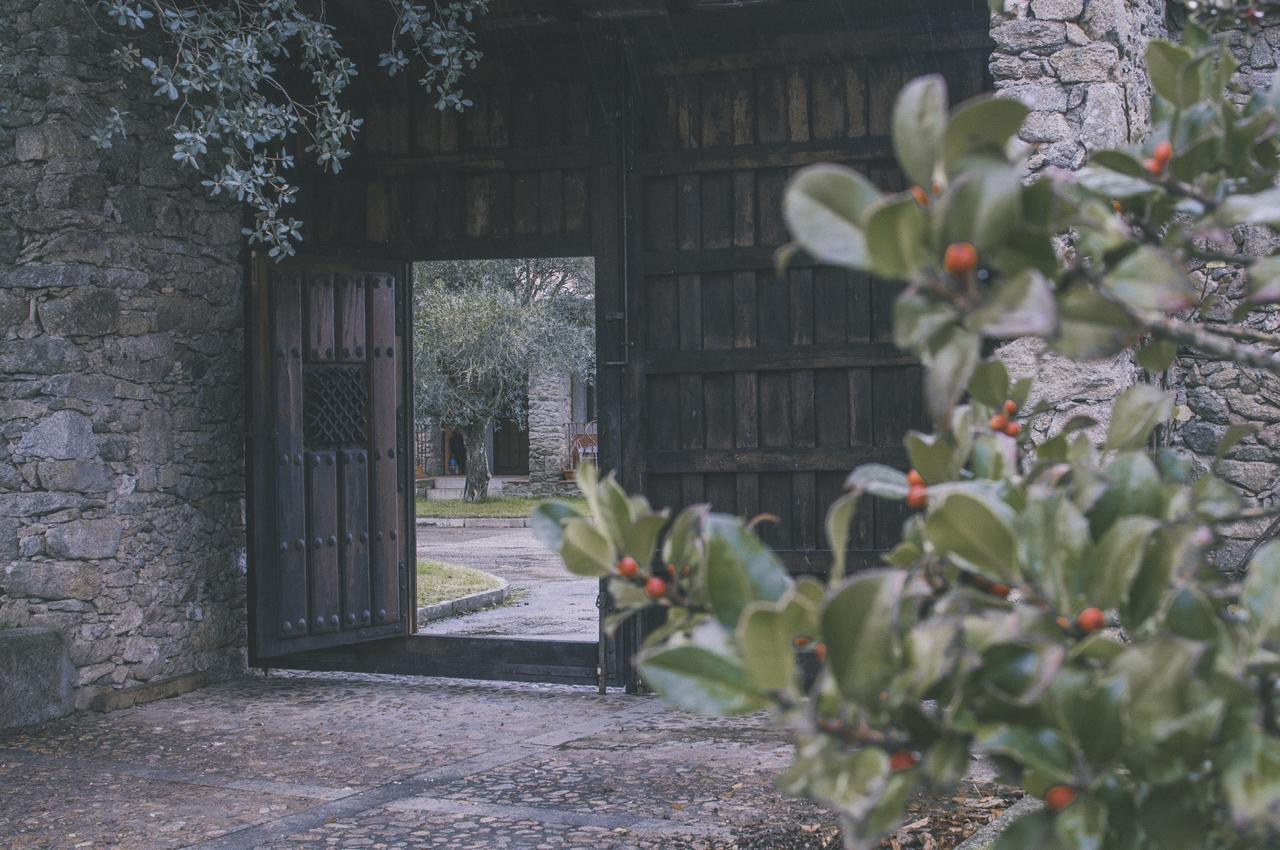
{"points": [[441, 582], [498, 508]]}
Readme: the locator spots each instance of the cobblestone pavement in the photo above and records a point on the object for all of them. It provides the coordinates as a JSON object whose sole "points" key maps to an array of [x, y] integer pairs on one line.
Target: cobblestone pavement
{"points": [[549, 603], [323, 761]]}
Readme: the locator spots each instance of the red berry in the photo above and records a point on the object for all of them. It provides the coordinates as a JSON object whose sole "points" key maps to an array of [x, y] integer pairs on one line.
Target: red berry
{"points": [[820, 652], [1163, 153], [1013, 429], [1059, 797], [921, 196], [915, 479], [800, 642], [960, 259], [1001, 590], [655, 588], [902, 760], [1153, 167], [628, 568], [917, 498], [999, 422], [1010, 407], [1090, 620]]}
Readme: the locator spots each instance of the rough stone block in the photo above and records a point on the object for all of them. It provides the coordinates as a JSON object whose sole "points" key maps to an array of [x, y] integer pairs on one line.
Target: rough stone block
{"points": [[35, 677], [66, 435], [1057, 10], [87, 312], [50, 580], [1024, 34], [85, 539], [77, 476], [1088, 64]]}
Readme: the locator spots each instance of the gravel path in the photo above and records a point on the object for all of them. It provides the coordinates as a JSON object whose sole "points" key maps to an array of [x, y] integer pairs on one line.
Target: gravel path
{"points": [[549, 602]]}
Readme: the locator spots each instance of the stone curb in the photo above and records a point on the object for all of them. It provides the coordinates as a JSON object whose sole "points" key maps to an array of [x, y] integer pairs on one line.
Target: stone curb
{"points": [[987, 835], [471, 522], [466, 604]]}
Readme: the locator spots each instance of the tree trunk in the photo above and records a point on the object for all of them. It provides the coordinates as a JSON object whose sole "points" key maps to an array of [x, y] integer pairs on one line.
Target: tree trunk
{"points": [[476, 488]]}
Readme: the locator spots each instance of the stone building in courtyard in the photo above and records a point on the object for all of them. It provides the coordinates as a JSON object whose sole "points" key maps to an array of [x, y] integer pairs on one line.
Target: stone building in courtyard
{"points": [[123, 501]]}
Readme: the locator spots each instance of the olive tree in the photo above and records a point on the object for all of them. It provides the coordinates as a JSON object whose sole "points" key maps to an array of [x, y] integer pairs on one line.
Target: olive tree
{"points": [[252, 82], [1054, 606], [481, 327]]}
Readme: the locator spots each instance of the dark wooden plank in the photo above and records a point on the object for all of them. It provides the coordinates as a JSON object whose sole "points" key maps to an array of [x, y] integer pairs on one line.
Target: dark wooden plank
{"points": [[692, 491], [659, 232], [771, 184], [350, 338], [775, 499], [717, 110], [324, 580], [831, 407], [379, 211], [525, 112], [576, 213], [830, 306], [744, 309], [354, 538], [800, 289], [551, 203], [721, 492], [691, 436], [451, 205], [689, 291], [718, 411], [773, 299], [771, 107], [717, 211], [479, 193], [746, 410], [662, 313], [775, 410], [862, 151], [858, 319], [744, 209], [803, 426], [424, 209], [717, 312], [785, 459], [829, 101], [688, 113], [578, 129], [897, 403], [688, 213], [747, 487], [662, 413], [320, 317], [663, 491], [803, 513], [384, 506], [861, 407], [290, 485], [524, 204], [798, 109], [552, 113], [855, 100]]}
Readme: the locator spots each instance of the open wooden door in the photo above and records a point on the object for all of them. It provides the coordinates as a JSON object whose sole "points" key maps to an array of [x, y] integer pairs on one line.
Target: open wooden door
{"points": [[330, 491]]}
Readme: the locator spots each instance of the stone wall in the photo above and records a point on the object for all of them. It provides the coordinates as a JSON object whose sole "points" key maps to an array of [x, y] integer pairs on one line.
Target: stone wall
{"points": [[549, 414], [1213, 396], [121, 458], [1078, 65]]}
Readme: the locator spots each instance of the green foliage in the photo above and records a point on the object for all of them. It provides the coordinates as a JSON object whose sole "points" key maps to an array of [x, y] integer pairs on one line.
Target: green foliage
{"points": [[234, 70], [480, 325], [1055, 607]]}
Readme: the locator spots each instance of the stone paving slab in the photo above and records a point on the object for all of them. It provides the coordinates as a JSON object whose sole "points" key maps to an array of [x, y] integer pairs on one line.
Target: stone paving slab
{"points": [[338, 761]]}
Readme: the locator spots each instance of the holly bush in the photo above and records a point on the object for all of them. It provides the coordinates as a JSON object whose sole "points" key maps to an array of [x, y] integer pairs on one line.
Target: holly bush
{"points": [[1054, 606]]}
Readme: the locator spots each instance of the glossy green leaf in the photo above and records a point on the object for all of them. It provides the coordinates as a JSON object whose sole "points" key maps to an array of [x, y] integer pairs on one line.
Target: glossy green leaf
{"points": [[1261, 593], [990, 384], [949, 366], [1017, 306], [981, 127], [547, 522], [700, 680], [1167, 64], [824, 207], [1136, 413], [879, 480], [858, 627], [1148, 279], [1116, 561], [586, 552], [933, 456], [1044, 750], [765, 642], [839, 517], [978, 531], [895, 234], [919, 121]]}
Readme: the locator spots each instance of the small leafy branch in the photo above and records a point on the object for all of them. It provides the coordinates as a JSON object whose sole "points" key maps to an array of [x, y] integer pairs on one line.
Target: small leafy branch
{"points": [[232, 71], [1055, 607]]}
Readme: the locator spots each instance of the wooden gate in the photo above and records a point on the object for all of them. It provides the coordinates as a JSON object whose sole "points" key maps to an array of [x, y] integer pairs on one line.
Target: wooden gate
{"points": [[753, 393], [329, 488]]}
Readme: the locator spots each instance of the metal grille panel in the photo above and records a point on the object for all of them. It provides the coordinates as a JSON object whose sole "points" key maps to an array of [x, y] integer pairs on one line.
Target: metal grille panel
{"points": [[335, 406]]}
